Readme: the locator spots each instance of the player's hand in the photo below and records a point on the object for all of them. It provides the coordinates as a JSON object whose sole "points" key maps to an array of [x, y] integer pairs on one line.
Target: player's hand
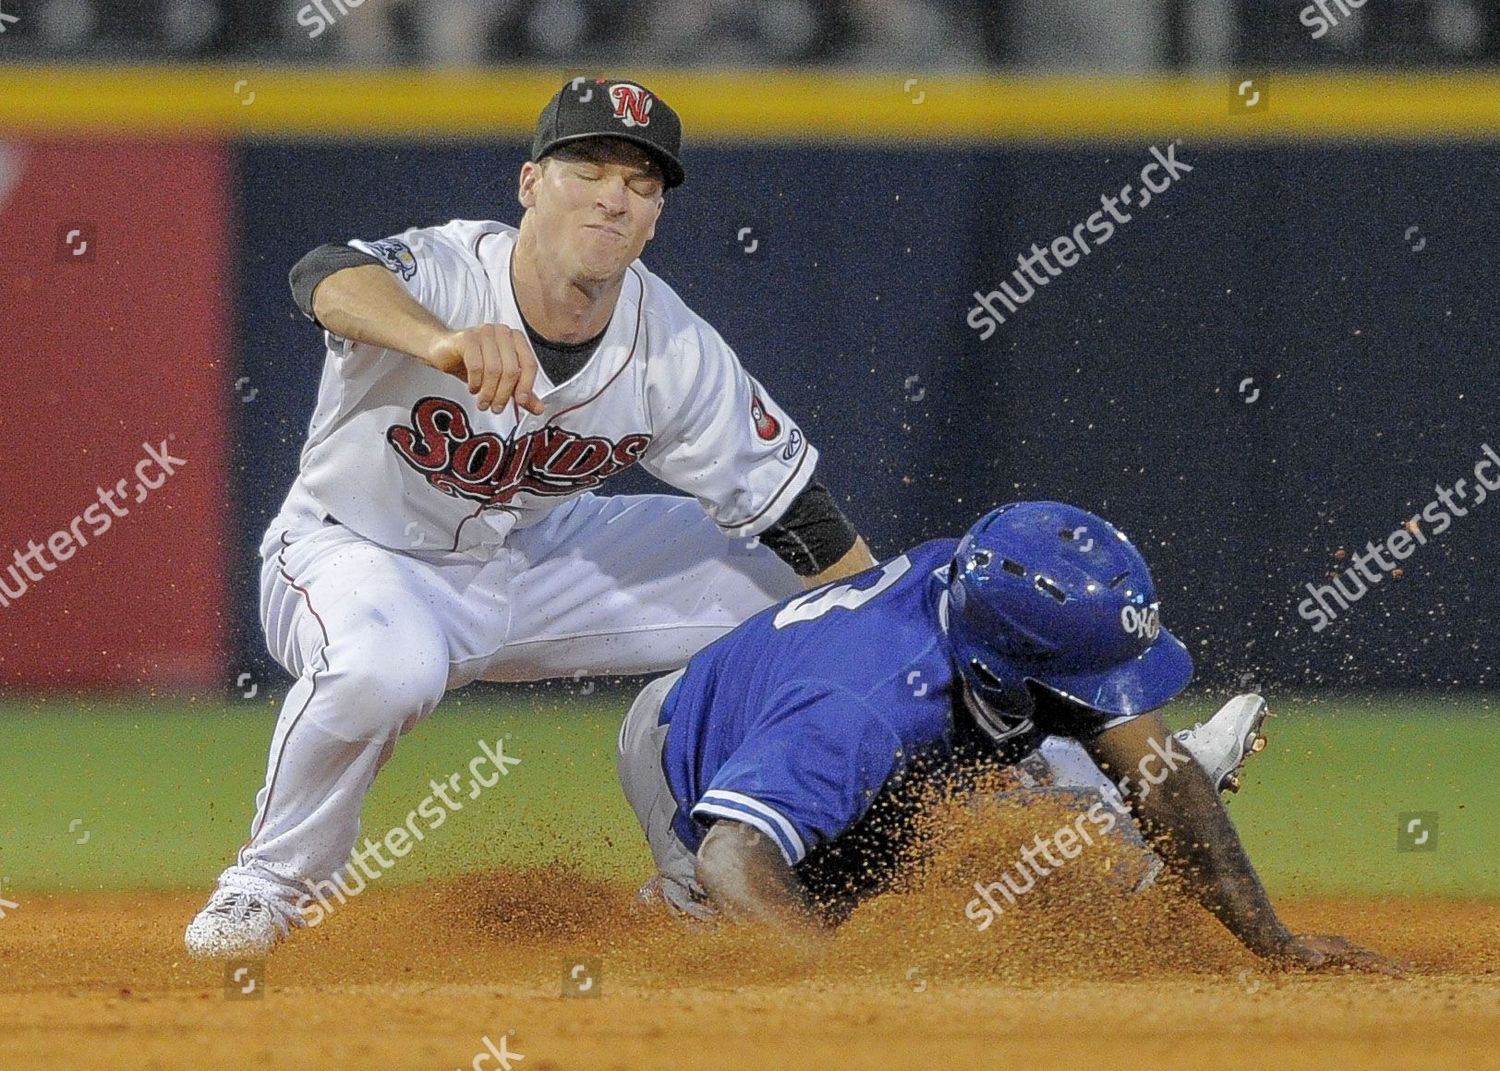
{"points": [[494, 360], [1324, 952]]}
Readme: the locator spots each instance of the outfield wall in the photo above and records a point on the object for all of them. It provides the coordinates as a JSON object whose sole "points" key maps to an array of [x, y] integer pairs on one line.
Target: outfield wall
{"points": [[115, 303], [1286, 257]]}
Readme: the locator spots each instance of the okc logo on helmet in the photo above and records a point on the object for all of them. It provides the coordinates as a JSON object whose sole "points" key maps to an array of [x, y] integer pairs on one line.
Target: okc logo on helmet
{"points": [[632, 104], [1144, 623]]}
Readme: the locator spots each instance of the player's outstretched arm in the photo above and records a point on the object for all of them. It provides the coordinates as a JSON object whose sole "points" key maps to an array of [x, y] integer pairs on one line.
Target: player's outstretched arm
{"points": [[366, 304], [748, 880], [1185, 821], [815, 538]]}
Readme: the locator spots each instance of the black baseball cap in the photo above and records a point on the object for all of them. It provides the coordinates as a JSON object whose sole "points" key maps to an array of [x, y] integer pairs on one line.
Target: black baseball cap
{"points": [[604, 108]]}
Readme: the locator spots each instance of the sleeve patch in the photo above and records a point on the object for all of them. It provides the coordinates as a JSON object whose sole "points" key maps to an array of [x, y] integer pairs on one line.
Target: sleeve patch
{"points": [[395, 255], [766, 426]]}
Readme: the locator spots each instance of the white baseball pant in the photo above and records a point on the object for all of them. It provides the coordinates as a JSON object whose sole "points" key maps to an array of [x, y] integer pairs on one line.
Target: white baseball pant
{"points": [[375, 637]]}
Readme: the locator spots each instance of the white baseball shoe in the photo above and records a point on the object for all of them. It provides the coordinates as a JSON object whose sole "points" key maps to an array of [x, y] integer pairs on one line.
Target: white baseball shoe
{"points": [[1223, 743], [239, 923]]}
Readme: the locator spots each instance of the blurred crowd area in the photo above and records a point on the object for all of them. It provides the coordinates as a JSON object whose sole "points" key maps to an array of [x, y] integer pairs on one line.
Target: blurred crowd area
{"points": [[1096, 35]]}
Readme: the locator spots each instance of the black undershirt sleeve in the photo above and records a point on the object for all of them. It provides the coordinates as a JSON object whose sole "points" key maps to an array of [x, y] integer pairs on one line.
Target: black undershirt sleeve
{"points": [[318, 265], [813, 533]]}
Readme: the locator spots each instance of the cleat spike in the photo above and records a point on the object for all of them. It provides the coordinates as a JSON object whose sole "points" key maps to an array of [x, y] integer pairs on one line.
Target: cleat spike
{"points": [[1232, 782], [1258, 744]]}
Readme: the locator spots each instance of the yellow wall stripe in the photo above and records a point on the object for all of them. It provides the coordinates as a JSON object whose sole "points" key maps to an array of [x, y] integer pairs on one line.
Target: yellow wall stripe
{"points": [[780, 106]]}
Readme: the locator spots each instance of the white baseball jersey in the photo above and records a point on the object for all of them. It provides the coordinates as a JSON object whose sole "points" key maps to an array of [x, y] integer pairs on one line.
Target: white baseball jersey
{"points": [[400, 453], [468, 547]]}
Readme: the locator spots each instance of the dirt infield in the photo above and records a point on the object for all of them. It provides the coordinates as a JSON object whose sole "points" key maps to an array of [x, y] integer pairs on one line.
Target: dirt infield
{"points": [[417, 977]]}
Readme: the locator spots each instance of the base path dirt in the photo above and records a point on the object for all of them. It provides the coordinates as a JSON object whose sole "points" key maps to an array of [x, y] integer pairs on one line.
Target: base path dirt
{"points": [[420, 977]]}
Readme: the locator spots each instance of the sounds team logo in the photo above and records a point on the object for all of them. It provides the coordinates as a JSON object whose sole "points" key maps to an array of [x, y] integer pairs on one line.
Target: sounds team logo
{"points": [[486, 468], [632, 104]]}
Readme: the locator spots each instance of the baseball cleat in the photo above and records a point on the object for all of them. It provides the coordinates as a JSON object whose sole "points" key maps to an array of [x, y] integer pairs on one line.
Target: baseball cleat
{"points": [[1223, 743], [238, 923]]}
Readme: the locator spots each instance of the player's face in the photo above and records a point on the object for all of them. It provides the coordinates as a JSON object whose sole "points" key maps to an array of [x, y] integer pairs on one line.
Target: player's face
{"points": [[594, 206]]}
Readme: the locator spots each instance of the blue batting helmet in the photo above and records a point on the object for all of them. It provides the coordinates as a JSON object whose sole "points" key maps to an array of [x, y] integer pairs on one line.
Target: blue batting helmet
{"points": [[1046, 593]]}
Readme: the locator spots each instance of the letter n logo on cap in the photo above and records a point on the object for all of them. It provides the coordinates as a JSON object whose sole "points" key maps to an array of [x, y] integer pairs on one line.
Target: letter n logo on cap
{"points": [[632, 104]]}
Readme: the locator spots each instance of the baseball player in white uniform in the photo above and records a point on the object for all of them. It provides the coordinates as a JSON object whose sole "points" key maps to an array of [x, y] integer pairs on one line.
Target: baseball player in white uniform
{"points": [[480, 382]]}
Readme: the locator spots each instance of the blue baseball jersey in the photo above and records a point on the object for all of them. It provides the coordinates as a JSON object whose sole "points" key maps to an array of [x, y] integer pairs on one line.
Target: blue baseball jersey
{"points": [[795, 721]]}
